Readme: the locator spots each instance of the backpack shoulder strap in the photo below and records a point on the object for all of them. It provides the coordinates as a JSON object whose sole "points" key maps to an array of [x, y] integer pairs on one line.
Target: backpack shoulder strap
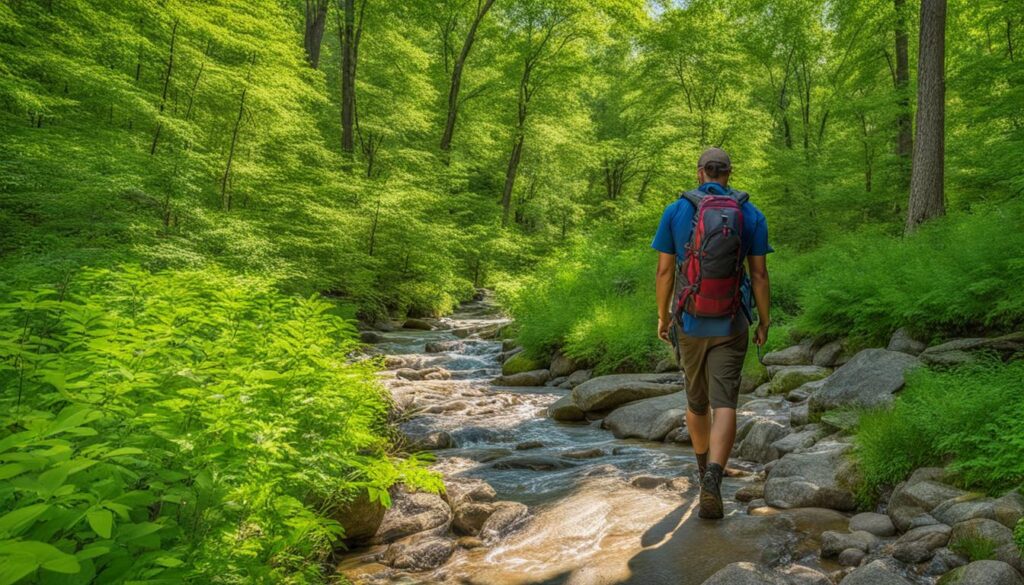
{"points": [[693, 196], [741, 196]]}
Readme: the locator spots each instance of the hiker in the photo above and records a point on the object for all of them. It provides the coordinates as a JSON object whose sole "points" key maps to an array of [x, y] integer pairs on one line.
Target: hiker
{"points": [[704, 307]]}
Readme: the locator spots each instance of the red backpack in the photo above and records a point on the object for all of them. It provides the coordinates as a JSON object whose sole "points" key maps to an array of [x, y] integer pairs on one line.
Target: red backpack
{"points": [[708, 282]]}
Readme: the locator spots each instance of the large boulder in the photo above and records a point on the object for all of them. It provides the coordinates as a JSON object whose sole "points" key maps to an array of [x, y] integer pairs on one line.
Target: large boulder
{"points": [[980, 529], [650, 418], [902, 341], [961, 351], [811, 479], [830, 355], [607, 392], [562, 365], [565, 409], [868, 380], [413, 513], [876, 572], [531, 378], [520, 362], [833, 542], [796, 355], [1009, 509], [877, 524], [918, 544], [578, 377], [470, 516], [744, 573], [506, 517], [421, 324], [964, 508], [360, 518], [786, 378], [758, 444], [912, 501], [804, 439], [419, 553], [982, 573]]}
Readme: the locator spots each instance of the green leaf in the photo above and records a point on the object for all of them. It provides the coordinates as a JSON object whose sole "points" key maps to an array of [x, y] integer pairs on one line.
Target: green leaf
{"points": [[14, 522], [46, 555], [122, 452], [12, 469], [101, 522], [14, 567]]}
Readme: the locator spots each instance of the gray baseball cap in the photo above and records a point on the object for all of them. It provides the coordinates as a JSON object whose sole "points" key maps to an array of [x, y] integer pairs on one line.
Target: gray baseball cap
{"points": [[715, 155]]}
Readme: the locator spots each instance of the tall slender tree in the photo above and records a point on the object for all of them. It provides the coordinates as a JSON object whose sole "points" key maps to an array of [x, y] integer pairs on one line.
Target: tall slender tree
{"points": [[904, 136], [316, 19], [926, 183], [456, 82], [350, 31]]}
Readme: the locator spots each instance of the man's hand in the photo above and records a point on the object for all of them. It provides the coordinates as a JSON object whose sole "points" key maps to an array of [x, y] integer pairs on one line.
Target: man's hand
{"points": [[761, 335], [663, 325]]}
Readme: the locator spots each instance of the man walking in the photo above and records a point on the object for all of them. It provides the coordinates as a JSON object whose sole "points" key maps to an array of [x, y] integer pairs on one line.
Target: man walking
{"points": [[704, 307]]}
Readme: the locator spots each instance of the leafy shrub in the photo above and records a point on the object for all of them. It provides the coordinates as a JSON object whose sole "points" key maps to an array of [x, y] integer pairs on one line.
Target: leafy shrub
{"points": [[969, 417], [179, 426], [1018, 535]]}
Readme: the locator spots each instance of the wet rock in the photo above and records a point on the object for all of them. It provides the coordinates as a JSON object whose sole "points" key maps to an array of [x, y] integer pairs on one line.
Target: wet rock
{"points": [[833, 542], [903, 342], [917, 544], [484, 331], [744, 573], [443, 346], [417, 324], [412, 513], [466, 489], [534, 462], [829, 355], [868, 380], [876, 572], [1009, 509], [525, 445], [474, 434], [607, 392], [648, 482], [983, 573], [578, 377], [912, 500], [799, 415], [419, 554], [556, 381], [470, 516], [679, 435], [810, 479], [787, 378], [944, 561], [429, 441], [964, 508], [1011, 555], [649, 418], [851, 557], [370, 337], [800, 440], [800, 575], [562, 365], [757, 445], [750, 492], [469, 542], [584, 453], [763, 390], [360, 517], [981, 529], [796, 355], [877, 524], [564, 409], [757, 504], [961, 351], [531, 378], [506, 517]]}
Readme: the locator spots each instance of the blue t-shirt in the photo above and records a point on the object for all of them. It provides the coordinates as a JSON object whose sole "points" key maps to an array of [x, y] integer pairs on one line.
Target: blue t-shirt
{"points": [[673, 234]]}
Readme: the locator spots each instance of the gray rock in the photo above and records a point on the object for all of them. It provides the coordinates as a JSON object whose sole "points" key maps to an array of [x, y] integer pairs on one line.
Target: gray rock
{"points": [[565, 409], [744, 573], [918, 544], [763, 390], [944, 561], [530, 378], [787, 378], [901, 341], [1009, 509], [749, 382], [562, 365], [1011, 555], [428, 440], [556, 381], [983, 529], [757, 445], [799, 415], [607, 392], [470, 516], [584, 453], [964, 508], [961, 351], [578, 377], [467, 489], [804, 391], [800, 575], [983, 573], [442, 346], [506, 517], [810, 479], [419, 553], [649, 418], [829, 355], [755, 504], [913, 499], [527, 445], [417, 324], [796, 355], [412, 513], [851, 557], [876, 572], [534, 462], [679, 435], [749, 492], [833, 542], [877, 524], [797, 441], [868, 380], [370, 337], [360, 517]]}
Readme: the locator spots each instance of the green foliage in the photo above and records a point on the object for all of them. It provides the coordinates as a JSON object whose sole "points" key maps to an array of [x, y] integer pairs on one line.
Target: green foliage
{"points": [[1018, 535], [968, 418], [974, 548], [182, 426]]}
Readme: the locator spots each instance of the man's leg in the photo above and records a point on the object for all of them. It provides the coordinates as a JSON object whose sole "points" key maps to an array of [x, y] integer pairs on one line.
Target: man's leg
{"points": [[724, 365], [693, 353], [700, 427], [723, 434]]}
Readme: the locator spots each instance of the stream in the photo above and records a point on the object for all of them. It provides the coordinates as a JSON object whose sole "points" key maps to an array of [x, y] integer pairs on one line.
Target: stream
{"points": [[602, 510]]}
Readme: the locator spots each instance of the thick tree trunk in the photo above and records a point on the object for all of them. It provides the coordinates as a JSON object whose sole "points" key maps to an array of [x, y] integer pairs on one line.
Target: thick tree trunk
{"points": [[456, 82], [926, 182], [316, 18], [350, 30], [510, 176], [904, 136]]}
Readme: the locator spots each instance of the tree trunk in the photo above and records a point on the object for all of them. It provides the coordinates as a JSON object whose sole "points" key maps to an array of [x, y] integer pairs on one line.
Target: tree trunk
{"points": [[456, 82], [167, 84], [926, 182], [316, 18], [904, 138], [510, 177], [350, 30]]}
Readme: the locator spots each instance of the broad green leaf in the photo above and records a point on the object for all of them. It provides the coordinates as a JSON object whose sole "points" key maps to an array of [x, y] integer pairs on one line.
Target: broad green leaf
{"points": [[122, 452], [101, 521], [14, 522], [14, 567]]}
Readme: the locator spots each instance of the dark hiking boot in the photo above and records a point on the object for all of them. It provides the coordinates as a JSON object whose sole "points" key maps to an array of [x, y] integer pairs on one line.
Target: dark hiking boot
{"points": [[711, 493]]}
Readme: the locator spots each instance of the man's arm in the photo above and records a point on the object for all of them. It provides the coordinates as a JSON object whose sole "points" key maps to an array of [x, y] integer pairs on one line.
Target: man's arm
{"points": [[761, 288], [663, 284]]}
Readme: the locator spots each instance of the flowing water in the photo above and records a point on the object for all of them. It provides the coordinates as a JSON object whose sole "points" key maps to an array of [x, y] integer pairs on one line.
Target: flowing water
{"points": [[589, 523]]}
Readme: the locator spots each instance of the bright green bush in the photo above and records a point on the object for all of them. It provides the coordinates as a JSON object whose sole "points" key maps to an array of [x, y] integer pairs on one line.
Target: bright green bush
{"points": [[1018, 535], [181, 426], [968, 417]]}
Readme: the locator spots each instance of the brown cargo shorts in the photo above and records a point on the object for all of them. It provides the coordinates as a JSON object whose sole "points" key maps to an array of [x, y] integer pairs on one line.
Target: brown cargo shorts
{"points": [[712, 366]]}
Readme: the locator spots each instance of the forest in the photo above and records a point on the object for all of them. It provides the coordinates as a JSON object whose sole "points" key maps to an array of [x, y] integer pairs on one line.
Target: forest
{"points": [[200, 202]]}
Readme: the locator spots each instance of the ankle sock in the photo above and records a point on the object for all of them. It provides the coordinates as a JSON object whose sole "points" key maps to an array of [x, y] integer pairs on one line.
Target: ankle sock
{"points": [[702, 463]]}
